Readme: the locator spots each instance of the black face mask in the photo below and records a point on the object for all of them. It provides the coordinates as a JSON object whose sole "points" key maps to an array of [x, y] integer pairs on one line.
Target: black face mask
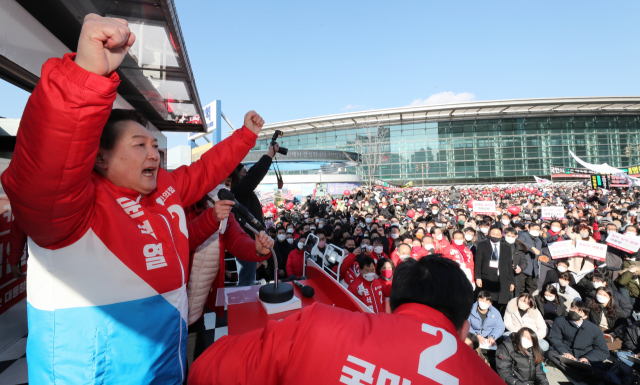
{"points": [[574, 316], [495, 239], [350, 249]]}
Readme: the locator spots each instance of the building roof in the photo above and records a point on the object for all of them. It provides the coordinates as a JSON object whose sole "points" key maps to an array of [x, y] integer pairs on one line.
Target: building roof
{"points": [[468, 110]]}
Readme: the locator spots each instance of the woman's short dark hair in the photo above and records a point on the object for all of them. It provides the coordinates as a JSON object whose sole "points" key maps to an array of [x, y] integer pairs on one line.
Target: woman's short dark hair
{"points": [[111, 134], [381, 263], [516, 340], [564, 276], [529, 299], [474, 340], [436, 282]]}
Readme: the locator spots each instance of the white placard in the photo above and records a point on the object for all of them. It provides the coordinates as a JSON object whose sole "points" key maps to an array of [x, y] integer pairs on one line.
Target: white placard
{"points": [[562, 249], [484, 207], [597, 251], [623, 242], [552, 212]]}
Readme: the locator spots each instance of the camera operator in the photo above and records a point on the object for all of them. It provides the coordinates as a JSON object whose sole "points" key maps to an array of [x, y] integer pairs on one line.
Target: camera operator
{"points": [[243, 191]]}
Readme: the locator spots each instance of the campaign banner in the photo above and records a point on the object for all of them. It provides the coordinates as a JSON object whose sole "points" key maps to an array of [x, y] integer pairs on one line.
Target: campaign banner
{"points": [[623, 242], [562, 249], [484, 207], [552, 212], [594, 250], [339, 188]]}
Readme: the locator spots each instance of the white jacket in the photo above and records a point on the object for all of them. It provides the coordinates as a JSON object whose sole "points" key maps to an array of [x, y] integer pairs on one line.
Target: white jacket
{"points": [[531, 319]]}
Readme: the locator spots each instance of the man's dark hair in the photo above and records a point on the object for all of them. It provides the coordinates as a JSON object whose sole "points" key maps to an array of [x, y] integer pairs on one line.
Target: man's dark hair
{"points": [[485, 295], [365, 261], [436, 282], [583, 307], [344, 241], [111, 134]]}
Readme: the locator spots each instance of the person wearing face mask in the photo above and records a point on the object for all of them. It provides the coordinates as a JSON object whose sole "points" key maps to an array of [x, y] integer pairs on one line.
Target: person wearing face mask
{"points": [[607, 314], [319, 249], [562, 266], [366, 287], [434, 213], [564, 289], [588, 286], [524, 283], [556, 233], [384, 270], [401, 254], [505, 221], [459, 253], [282, 248], [469, 240], [550, 304], [483, 231], [494, 268], [519, 359], [350, 270], [440, 241], [579, 265], [576, 338], [485, 320], [378, 250], [295, 261], [538, 264], [522, 312]]}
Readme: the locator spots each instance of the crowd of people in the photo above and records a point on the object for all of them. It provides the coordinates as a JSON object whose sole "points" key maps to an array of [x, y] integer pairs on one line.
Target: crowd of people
{"points": [[530, 307]]}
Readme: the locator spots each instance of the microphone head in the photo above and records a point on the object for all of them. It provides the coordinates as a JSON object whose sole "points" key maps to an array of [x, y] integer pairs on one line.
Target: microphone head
{"points": [[307, 291], [226, 195]]}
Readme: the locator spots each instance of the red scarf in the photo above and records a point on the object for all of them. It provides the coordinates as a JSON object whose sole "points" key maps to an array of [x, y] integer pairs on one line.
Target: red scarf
{"points": [[460, 249]]}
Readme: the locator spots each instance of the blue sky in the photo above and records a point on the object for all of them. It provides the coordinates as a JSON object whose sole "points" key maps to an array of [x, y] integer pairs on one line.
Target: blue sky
{"points": [[297, 59]]}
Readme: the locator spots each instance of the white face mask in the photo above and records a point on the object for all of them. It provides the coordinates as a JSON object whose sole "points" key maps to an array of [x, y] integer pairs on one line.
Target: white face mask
{"points": [[562, 269], [404, 257], [522, 305], [505, 222], [534, 233], [584, 235], [563, 283], [468, 237], [377, 249], [628, 234], [300, 245], [290, 240], [550, 298], [394, 236], [439, 237], [368, 220], [429, 246], [526, 343], [369, 276], [282, 237], [290, 231], [484, 230], [483, 305], [320, 226], [602, 299], [369, 248], [556, 229], [458, 241], [434, 211], [598, 285], [510, 240], [306, 215]]}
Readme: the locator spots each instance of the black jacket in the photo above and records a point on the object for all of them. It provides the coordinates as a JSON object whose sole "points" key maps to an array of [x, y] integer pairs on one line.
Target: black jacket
{"points": [[516, 368], [587, 341], [561, 310], [630, 338], [244, 194], [496, 284]]}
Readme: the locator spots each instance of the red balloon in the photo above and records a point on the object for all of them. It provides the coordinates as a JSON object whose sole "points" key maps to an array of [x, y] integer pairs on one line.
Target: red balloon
{"points": [[289, 205], [411, 213], [539, 193], [273, 209], [514, 210], [470, 204], [264, 209], [520, 188], [501, 195], [347, 192], [270, 205], [434, 200]]}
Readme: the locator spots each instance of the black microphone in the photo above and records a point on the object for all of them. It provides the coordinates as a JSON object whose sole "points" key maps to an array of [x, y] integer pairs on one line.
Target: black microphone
{"points": [[226, 195], [307, 291]]}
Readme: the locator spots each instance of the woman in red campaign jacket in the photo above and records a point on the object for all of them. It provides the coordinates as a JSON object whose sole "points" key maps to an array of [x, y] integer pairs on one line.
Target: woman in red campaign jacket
{"points": [[459, 253], [366, 287], [296, 350], [385, 270], [108, 237], [295, 261]]}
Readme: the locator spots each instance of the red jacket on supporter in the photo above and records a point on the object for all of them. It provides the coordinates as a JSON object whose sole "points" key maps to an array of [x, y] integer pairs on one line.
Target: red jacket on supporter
{"points": [[376, 257], [462, 255], [296, 350], [418, 252], [440, 244], [295, 262], [386, 286], [349, 269], [370, 293]]}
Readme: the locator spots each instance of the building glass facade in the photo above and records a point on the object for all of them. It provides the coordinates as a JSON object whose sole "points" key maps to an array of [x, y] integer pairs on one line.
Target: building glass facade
{"points": [[485, 150]]}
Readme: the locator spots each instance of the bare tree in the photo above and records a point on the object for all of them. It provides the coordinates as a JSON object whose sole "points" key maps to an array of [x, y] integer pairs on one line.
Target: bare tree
{"points": [[369, 142]]}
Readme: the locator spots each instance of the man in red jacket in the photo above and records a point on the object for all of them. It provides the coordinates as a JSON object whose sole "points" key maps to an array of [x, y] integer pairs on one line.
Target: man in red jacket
{"points": [[422, 342], [295, 261], [366, 286]]}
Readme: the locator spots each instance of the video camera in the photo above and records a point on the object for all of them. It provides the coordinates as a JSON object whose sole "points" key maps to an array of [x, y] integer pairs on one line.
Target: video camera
{"points": [[281, 150]]}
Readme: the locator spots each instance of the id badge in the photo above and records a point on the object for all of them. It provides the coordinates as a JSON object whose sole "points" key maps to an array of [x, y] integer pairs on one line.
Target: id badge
{"points": [[493, 264]]}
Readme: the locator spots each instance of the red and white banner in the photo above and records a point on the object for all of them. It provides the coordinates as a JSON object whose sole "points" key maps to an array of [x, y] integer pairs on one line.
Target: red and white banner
{"points": [[562, 249], [12, 290], [484, 207], [552, 212], [623, 242], [594, 250]]}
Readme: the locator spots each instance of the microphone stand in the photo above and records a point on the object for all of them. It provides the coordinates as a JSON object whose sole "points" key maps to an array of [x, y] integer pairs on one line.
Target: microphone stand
{"points": [[273, 293]]}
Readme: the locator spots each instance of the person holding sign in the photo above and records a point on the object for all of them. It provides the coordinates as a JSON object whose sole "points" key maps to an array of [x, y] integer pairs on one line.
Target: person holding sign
{"points": [[581, 232]]}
